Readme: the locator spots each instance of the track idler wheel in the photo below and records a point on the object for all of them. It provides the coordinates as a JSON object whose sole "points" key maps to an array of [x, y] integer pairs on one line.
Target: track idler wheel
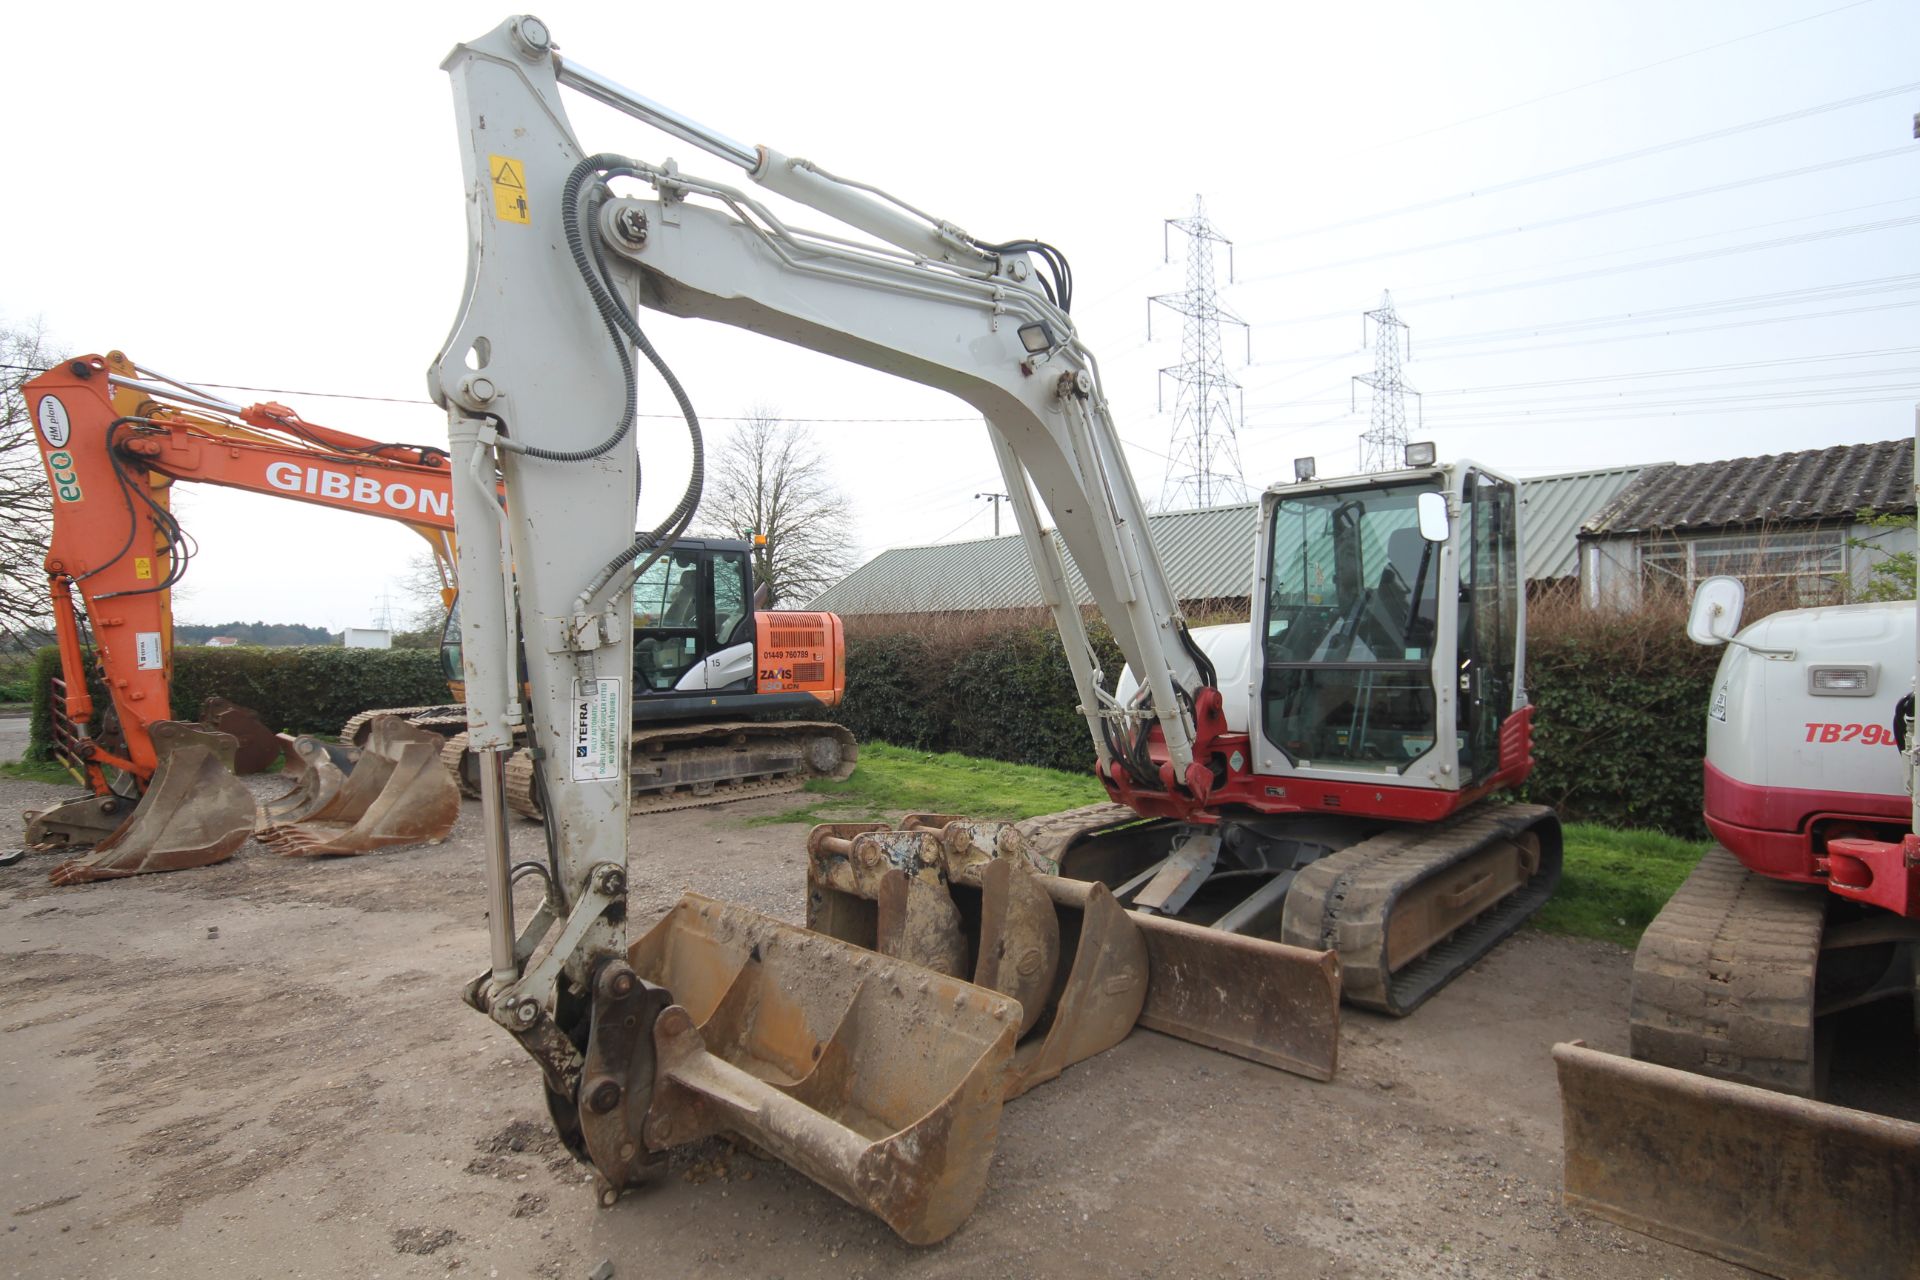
{"points": [[194, 812]]}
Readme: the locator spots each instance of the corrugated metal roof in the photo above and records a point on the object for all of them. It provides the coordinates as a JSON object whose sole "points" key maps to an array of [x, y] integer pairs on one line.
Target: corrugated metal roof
{"points": [[1782, 488], [1553, 508], [1208, 554]]}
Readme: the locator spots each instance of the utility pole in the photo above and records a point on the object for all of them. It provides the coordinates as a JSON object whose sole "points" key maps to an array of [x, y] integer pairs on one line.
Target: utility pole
{"points": [[1383, 446], [1204, 453], [996, 499]]}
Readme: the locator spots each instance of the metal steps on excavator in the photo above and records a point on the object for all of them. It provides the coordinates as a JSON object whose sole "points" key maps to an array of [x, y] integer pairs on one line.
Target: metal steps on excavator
{"points": [[194, 812], [1412, 908], [396, 793], [692, 765]]}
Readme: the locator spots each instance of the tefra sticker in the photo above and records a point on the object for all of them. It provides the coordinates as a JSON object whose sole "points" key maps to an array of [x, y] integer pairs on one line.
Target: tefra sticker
{"points": [[147, 654], [509, 190], [599, 744]]}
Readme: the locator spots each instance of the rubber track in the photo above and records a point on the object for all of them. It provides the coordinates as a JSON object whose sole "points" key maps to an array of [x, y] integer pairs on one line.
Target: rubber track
{"points": [[1343, 901], [1051, 834], [436, 718], [1723, 981], [522, 800], [451, 757]]}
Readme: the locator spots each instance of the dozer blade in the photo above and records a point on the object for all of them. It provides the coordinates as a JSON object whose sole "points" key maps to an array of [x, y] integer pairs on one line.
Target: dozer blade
{"points": [[194, 813], [1784, 1185], [396, 794], [878, 1079], [256, 746]]}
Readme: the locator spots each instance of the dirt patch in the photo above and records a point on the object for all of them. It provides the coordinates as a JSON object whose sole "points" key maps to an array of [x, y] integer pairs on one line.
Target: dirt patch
{"points": [[226, 1070]]}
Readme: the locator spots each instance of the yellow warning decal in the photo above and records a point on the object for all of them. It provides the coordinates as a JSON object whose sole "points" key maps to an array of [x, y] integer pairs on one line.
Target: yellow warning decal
{"points": [[142, 568], [509, 189]]}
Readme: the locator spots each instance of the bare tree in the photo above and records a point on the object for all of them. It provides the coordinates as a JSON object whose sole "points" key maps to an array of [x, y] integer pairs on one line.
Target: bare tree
{"points": [[26, 503], [769, 479]]}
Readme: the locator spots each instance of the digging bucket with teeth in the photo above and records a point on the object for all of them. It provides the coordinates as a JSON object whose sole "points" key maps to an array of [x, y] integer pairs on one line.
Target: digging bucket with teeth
{"points": [[194, 812], [396, 793]]}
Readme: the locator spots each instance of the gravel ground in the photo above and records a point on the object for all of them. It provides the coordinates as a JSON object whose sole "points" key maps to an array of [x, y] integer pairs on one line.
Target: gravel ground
{"points": [[263, 1069]]}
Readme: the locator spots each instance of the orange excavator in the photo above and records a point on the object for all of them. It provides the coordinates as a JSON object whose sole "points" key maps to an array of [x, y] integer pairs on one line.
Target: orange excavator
{"points": [[162, 792], [715, 662]]}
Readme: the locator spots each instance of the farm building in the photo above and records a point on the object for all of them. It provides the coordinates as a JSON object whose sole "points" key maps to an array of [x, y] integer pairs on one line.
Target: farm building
{"points": [[1208, 553], [1786, 523]]}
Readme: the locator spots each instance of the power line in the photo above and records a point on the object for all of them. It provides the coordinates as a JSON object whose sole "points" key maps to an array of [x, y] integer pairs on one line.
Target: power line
{"points": [[1673, 333], [1630, 207], [1617, 75], [1589, 166], [1755, 246], [1692, 310]]}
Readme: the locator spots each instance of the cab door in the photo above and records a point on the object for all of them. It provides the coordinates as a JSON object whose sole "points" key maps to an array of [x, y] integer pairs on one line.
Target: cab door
{"points": [[1489, 622]]}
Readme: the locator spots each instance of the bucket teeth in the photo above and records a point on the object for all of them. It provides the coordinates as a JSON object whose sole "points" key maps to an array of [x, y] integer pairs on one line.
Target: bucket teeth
{"points": [[194, 813], [395, 793]]}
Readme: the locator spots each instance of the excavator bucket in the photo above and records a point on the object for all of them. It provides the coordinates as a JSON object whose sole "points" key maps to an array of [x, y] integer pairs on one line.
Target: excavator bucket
{"points": [[319, 770], [1260, 1000], [877, 1078], [194, 813], [1784, 1185], [256, 746], [396, 794]]}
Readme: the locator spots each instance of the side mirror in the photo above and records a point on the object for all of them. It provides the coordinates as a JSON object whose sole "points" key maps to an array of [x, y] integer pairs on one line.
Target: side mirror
{"points": [[1715, 618], [1432, 508]]}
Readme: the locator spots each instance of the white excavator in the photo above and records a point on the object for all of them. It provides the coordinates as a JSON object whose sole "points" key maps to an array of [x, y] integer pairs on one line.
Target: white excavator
{"points": [[1305, 800]]}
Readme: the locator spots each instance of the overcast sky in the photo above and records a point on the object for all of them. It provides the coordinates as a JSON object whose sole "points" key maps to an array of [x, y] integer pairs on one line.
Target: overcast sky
{"points": [[271, 196]]}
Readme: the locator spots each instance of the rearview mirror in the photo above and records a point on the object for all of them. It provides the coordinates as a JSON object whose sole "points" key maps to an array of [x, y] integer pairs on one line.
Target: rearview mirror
{"points": [[1715, 618], [1433, 516]]}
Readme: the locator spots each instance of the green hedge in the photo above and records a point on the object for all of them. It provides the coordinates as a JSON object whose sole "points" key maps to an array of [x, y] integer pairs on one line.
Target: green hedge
{"points": [[312, 689], [1619, 725], [1620, 721]]}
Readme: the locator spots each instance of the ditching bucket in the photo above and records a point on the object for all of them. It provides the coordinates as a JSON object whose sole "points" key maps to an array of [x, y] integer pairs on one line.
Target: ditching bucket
{"points": [[935, 898], [319, 770], [1264, 1001], [256, 746], [878, 1079], [396, 794], [1781, 1184], [194, 813]]}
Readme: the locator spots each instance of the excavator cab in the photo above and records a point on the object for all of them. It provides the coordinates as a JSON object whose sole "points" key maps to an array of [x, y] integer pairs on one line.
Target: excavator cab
{"points": [[1381, 626]]}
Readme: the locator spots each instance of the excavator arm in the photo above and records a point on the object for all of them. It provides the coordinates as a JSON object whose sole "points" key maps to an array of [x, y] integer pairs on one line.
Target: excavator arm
{"points": [[718, 1019]]}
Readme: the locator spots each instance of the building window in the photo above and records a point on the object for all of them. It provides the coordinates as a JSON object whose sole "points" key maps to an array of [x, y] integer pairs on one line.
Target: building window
{"points": [[1791, 569]]}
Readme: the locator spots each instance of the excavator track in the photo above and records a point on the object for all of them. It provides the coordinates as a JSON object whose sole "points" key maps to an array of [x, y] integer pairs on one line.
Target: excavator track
{"points": [[688, 766], [453, 758], [1723, 980], [442, 719], [1409, 909]]}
